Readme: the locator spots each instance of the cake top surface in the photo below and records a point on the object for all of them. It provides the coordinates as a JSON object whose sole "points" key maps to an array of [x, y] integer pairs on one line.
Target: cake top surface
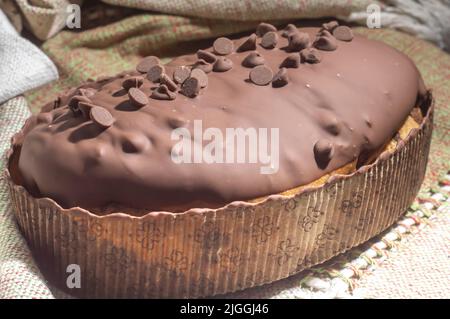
{"points": [[315, 98]]}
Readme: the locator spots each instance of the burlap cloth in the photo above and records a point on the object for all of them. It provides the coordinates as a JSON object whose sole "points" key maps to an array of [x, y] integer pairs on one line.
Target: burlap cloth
{"points": [[418, 268], [19, 275], [118, 46], [35, 68], [45, 18]]}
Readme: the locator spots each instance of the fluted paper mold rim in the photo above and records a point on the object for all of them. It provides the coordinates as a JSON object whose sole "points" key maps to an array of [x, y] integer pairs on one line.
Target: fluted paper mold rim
{"points": [[203, 252]]}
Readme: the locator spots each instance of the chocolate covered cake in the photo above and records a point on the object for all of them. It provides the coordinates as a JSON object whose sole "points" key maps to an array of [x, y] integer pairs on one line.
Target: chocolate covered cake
{"points": [[114, 166]]}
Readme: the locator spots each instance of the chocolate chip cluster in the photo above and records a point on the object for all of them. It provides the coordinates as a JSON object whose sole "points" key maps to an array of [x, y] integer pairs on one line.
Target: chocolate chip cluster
{"points": [[81, 105], [300, 49], [191, 79], [187, 80]]}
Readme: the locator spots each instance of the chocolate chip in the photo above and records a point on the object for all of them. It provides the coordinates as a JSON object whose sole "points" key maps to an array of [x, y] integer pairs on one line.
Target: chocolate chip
{"points": [[330, 26], [203, 65], [191, 87], [146, 63], [223, 46], [290, 28], [298, 41], [171, 85], [252, 60], [343, 33], [207, 56], [323, 152], [101, 116], [222, 65], [269, 40], [324, 33], [280, 78], [85, 108], [249, 44], [261, 75], [292, 61], [75, 101], [181, 73], [200, 76], [162, 92], [137, 97], [310, 55], [325, 42], [133, 82], [87, 92], [154, 73], [263, 28]]}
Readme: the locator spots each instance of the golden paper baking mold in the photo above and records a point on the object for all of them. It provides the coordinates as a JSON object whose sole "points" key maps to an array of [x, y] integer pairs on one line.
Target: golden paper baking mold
{"points": [[204, 252]]}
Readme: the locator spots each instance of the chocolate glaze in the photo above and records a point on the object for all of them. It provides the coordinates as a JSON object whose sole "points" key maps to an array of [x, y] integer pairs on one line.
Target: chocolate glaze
{"points": [[78, 163]]}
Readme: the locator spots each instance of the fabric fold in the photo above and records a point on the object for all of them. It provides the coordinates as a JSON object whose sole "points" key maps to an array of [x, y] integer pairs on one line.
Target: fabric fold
{"points": [[22, 65], [255, 10]]}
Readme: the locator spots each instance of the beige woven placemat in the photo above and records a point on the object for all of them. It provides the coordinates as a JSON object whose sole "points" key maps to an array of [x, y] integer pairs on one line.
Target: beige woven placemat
{"points": [[19, 275], [418, 268]]}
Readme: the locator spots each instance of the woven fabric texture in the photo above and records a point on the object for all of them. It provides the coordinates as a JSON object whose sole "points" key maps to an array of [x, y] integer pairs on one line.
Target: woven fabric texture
{"points": [[44, 17], [22, 65], [419, 268], [255, 10], [19, 275]]}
